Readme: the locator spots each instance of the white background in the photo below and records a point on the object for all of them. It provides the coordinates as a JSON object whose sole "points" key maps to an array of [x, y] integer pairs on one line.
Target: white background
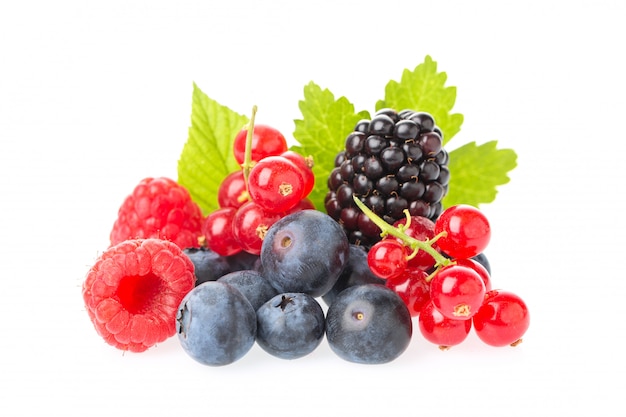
{"points": [[95, 96]]}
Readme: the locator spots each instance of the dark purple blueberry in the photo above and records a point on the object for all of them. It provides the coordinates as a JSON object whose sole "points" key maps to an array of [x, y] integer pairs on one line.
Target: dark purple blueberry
{"points": [[208, 265], [356, 272], [290, 325], [304, 252], [252, 285], [216, 324], [368, 324]]}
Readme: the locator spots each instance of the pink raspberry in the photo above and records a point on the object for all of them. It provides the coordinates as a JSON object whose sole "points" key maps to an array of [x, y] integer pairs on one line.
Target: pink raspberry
{"points": [[134, 289], [159, 208]]}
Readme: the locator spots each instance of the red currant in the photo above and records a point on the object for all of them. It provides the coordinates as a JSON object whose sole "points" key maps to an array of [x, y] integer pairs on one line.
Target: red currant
{"points": [[305, 165], [413, 288], [468, 231], [440, 330], [232, 191], [502, 320], [476, 266], [423, 229], [218, 232], [387, 258], [276, 184], [457, 291], [250, 225], [266, 141]]}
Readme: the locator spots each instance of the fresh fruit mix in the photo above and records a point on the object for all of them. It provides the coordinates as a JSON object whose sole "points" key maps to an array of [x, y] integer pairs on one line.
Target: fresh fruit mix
{"points": [[368, 216]]}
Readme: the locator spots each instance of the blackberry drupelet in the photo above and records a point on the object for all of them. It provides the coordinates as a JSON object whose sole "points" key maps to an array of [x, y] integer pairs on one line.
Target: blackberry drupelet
{"points": [[393, 162]]}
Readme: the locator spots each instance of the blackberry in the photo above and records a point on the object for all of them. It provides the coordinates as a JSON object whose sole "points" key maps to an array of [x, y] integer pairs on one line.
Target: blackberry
{"points": [[393, 162]]}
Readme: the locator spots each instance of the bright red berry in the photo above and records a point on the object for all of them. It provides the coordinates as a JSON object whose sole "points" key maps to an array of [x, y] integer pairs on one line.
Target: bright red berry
{"points": [[387, 258], [413, 288], [468, 231], [250, 225], [276, 184], [457, 292], [266, 141], [133, 291], [306, 167], [218, 232], [502, 320], [159, 208], [232, 191], [440, 330]]}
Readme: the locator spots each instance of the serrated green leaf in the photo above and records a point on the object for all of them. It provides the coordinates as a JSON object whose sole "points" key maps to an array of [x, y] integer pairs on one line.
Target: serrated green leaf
{"points": [[207, 156], [322, 132], [476, 171], [423, 89]]}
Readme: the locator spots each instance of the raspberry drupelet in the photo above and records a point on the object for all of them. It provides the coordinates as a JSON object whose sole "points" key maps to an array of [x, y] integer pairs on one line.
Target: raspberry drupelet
{"points": [[133, 291]]}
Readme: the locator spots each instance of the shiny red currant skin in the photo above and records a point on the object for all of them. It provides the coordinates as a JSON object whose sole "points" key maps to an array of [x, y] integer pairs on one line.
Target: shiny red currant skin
{"points": [[440, 330], [266, 141], [412, 287], [457, 292], [276, 184], [476, 266], [218, 232], [387, 258], [305, 165], [502, 320], [232, 191], [250, 225], [468, 231]]}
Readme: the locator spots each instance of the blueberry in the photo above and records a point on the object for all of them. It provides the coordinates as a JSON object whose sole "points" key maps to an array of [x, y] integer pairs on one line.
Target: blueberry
{"points": [[243, 260], [368, 324], [304, 252], [216, 324], [290, 325], [355, 272], [208, 265], [252, 285]]}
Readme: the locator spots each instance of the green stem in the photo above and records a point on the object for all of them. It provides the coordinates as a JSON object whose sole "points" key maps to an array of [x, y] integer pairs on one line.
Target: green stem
{"points": [[247, 159], [398, 232]]}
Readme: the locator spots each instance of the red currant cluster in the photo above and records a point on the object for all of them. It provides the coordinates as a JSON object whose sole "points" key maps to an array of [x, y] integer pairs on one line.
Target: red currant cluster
{"points": [[272, 183], [431, 266]]}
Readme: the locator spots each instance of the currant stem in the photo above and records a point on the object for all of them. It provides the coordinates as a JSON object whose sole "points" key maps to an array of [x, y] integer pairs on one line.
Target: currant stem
{"points": [[247, 161], [414, 244]]}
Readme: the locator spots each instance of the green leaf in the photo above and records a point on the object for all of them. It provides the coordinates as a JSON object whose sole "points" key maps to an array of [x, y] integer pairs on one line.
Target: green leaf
{"points": [[322, 132], [423, 89], [207, 156], [476, 171]]}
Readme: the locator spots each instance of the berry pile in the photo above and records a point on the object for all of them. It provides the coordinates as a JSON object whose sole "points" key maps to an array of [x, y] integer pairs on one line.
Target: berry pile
{"points": [[273, 182], [252, 270], [393, 162], [449, 289]]}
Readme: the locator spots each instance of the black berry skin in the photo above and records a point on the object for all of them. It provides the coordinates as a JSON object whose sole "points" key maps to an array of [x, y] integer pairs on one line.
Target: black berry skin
{"points": [[304, 252], [368, 324], [392, 163], [356, 272], [290, 325]]}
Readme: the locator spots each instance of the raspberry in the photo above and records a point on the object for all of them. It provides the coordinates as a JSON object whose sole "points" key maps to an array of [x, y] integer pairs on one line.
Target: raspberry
{"points": [[159, 208], [133, 291], [393, 162]]}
